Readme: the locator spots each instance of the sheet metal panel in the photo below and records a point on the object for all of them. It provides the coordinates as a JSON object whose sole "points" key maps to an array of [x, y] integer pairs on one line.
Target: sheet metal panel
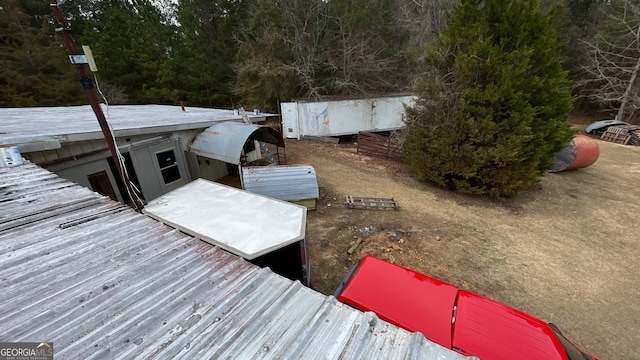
{"points": [[243, 223], [284, 182], [103, 282], [78, 123], [224, 141], [602, 125]]}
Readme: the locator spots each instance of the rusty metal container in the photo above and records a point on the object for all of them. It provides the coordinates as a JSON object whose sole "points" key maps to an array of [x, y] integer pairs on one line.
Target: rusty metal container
{"points": [[581, 152]]}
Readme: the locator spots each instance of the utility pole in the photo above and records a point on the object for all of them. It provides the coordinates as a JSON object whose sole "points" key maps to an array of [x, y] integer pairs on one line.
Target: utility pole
{"points": [[136, 204]]}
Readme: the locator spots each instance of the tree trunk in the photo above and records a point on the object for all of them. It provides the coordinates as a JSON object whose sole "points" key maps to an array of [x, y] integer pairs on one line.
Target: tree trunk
{"points": [[632, 80]]}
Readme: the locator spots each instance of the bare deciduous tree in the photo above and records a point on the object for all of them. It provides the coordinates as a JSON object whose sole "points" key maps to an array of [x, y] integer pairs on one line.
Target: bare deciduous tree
{"points": [[614, 64], [306, 37], [362, 59], [337, 47], [423, 19]]}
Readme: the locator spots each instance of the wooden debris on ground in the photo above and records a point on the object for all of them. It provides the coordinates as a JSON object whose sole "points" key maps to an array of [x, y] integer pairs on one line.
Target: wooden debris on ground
{"points": [[368, 203], [622, 134], [354, 246]]}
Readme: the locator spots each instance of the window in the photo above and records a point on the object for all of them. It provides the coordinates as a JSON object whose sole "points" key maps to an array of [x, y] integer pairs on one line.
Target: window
{"points": [[168, 166]]}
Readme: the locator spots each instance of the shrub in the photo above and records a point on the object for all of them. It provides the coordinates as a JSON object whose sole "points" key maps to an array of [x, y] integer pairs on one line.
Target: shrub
{"points": [[493, 100]]}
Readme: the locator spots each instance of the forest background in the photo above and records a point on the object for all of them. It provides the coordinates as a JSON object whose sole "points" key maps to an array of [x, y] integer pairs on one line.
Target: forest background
{"points": [[255, 53]]}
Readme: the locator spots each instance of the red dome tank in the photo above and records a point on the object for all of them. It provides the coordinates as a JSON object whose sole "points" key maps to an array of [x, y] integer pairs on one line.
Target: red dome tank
{"points": [[581, 152]]}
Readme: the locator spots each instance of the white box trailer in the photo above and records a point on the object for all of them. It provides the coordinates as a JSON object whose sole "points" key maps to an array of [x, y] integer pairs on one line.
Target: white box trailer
{"points": [[265, 231], [343, 117]]}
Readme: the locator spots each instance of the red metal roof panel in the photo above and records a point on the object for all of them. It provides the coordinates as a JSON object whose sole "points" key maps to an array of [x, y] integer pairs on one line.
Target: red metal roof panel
{"points": [[491, 330], [403, 297]]}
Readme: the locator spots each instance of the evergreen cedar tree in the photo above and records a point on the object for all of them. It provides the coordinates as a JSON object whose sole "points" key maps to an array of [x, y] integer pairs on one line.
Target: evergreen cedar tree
{"points": [[493, 101]]}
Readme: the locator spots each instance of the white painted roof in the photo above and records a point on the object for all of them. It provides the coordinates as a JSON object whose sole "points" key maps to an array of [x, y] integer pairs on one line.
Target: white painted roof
{"points": [[78, 123], [243, 223]]}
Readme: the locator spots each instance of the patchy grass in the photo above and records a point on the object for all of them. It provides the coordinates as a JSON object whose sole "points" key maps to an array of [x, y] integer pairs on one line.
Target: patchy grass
{"points": [[567, 251]]}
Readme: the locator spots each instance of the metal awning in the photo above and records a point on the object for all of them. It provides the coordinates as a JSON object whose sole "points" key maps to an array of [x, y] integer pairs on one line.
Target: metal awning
{"points": [[245, 224], [224, 141]]}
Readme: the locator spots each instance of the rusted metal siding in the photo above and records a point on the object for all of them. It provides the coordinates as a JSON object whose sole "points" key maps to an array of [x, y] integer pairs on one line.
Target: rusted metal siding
{"points": [[377, 145], [101, 281], [581, 152], [289, 182]]}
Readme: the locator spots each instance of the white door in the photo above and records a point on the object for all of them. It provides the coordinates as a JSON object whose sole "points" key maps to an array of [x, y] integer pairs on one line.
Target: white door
{"points": [[290, 120]]}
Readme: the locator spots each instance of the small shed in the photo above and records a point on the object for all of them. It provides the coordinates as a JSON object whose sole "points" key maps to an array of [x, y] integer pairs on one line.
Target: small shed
{"points": [[232, 145], [265, 231], [295, 183], [227, 141]]}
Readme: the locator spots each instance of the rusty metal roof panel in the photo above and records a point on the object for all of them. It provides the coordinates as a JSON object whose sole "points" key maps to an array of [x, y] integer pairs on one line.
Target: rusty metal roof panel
{"points": [[224, 141], [284, 182], [102, 281]]}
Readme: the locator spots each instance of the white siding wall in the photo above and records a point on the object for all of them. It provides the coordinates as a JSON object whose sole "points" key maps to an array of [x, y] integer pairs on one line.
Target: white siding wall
{"points": [[66, 151], [211, 169], [344, 117]]}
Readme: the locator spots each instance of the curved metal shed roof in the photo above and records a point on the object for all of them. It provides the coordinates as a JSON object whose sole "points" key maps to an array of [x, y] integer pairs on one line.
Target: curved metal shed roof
{"points": [[224, 141], [284, 182]]}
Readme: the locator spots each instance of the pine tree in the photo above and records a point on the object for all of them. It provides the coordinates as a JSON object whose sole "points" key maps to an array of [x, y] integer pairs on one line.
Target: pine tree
{"points": [[130, 43], [34, 66], [493, 100], [203, 57]]}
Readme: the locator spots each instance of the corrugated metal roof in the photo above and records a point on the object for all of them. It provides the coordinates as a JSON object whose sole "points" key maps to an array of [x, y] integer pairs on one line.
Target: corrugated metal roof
{"points": [[78, 123], [103, 282], [224, 141], [284, 182]]}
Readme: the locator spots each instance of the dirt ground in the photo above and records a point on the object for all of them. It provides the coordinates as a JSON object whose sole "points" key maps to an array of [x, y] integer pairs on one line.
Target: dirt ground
{"points": [[567, 251]]}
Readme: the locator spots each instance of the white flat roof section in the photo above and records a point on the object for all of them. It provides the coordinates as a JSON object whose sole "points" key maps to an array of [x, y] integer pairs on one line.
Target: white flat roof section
{"points": [[78, 123], [240, 222]]}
